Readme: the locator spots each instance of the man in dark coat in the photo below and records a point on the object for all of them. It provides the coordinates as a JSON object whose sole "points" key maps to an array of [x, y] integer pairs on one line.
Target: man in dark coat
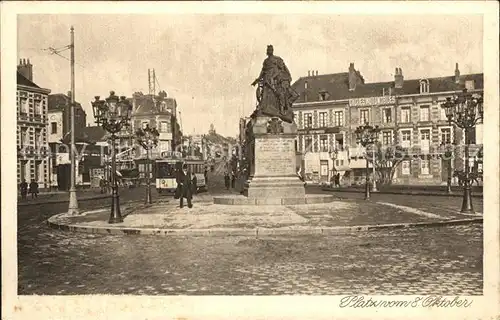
{"points": [[33, 189], [227, 180], [185, 184], [233, 179], [24, 189]]}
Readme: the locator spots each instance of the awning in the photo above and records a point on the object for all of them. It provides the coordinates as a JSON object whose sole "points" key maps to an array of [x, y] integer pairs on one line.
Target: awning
{"points": [[341, 168], [359, 164]]}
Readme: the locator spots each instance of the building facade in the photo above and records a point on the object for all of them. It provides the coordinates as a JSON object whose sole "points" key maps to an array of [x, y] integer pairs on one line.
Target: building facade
{"points": [[59, 137], [32, 136], [408, 112], [155, 111]]}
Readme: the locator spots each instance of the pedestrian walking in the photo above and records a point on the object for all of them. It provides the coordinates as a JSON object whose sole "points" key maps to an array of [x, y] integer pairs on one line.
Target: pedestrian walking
{"points": [[206, 176], [226, 179], [194, 184], [184, 186], [233, 179], [24, 189], [337, 180], [33, 189]]}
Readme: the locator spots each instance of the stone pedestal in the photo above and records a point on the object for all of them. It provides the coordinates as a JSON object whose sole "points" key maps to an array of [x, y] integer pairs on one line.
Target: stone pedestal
{"points": [[273, 166]]}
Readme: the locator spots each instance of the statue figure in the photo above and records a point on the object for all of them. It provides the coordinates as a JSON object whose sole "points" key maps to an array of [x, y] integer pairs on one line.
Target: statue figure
{"points": [[274, 93]]}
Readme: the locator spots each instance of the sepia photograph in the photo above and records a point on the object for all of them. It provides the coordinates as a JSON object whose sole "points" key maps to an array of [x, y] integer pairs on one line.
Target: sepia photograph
{"points": [[215, 153]]}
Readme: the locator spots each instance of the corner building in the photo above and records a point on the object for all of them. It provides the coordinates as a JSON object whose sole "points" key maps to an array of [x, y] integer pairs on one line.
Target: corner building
{"points": [[32, 145], [408, 112]]}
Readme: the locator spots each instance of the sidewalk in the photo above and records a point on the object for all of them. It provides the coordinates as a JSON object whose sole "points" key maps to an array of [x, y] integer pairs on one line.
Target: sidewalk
{"points": [[208, 219], [411, 190], [61, 196]]}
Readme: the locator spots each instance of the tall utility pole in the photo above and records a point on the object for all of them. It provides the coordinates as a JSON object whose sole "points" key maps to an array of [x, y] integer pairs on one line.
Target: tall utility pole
{"points": [[73, 201]]}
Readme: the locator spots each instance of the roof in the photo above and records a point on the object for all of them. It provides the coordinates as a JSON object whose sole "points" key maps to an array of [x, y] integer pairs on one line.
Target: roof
{"points": [[59, 101], [146, 105], [337, 86], [88, 135], [22, 80]]}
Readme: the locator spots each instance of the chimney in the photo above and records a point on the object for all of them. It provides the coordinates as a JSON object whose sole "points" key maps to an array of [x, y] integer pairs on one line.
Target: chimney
{"points": [[398, 78], [457, 73], [316, 72], [25, 68], [308, 73], [352, 77]]}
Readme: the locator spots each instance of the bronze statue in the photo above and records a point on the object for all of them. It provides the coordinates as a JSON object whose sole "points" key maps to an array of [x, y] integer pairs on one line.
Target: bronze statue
{"points": [[274, 93]]}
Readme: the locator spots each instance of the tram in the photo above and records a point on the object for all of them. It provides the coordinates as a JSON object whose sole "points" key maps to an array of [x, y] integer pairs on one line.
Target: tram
{"points": [[168, 167]]}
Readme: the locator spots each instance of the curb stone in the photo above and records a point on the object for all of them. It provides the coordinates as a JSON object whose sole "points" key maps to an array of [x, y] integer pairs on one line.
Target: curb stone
{"points": [[26, 204], [405, 193], [221, 232]]}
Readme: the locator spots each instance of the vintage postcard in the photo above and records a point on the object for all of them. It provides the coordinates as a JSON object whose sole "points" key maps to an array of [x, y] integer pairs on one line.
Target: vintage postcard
{"points": [[250, 160]]}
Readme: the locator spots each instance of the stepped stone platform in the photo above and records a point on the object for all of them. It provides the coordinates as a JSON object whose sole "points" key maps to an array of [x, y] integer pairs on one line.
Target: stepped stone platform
{"points": [[246, 201]]}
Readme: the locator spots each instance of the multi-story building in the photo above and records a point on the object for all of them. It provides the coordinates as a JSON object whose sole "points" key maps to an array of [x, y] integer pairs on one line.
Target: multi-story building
{"points": [[59, 137], [32, 144], [157, 111], [408, 112]]}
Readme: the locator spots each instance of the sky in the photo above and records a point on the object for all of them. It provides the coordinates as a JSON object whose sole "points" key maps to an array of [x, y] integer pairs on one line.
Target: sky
{"points": [[207, 61]]}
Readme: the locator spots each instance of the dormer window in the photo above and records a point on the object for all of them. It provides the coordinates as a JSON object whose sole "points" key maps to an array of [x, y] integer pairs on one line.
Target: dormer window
{"points": [[323, 96], [469, 85], [424, 86]]}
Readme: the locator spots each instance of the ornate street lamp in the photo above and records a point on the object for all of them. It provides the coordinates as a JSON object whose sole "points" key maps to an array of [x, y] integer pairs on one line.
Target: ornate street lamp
{"points": [[113, 114], [367, 136], [465, 110], [448, 154], [148, 139]]}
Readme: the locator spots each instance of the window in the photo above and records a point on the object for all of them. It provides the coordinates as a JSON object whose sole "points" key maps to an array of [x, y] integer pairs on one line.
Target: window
{"points": [[424, 166], [322, 119], [424, 113], [469, 84], [305, 85], [322, 96], [164, 127], [308, 120], [24, 105], [53, 127], [424, 86], [405, 167], [445, 135], [425, 137], [24, 136], [308, 144], [386, 137], [38, 107], [364, 116], [386, 115], [442, 114], [323, 143], [338, 118], [406, 138], [405, 115], [37, 139]]}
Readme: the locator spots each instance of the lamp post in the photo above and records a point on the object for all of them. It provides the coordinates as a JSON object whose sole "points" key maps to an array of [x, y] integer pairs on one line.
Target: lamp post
{"points": [[147, 138], [448, 154], [367, 136], [465, 110], [374, 183], [113, 114]]}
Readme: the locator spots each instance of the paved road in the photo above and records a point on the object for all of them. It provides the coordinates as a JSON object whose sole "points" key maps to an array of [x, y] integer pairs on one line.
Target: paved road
{"points": [[446, 260]]}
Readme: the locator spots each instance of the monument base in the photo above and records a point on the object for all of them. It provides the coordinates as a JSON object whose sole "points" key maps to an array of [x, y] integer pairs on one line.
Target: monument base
{"points": [[239, 200], [274, 187]]}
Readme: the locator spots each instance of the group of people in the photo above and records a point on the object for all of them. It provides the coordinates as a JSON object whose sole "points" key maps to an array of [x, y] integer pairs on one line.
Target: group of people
{"points": [[32, 189], [229, 179], [335, 180]]}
